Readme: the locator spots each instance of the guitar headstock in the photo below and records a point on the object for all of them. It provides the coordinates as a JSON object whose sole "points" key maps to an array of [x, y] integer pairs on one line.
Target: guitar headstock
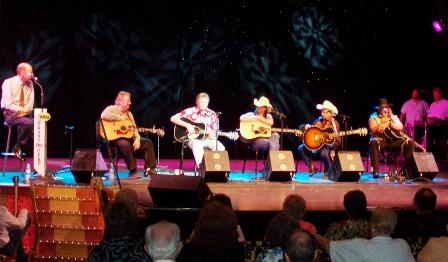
{"points": [[363, 131], [233, 135], [157, 131], [298, 133], [160, 132]]}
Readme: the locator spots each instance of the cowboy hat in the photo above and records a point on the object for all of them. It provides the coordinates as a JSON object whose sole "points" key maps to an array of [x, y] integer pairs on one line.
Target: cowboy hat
{"points": [[263, 101], [329, 106], [383, 102]]}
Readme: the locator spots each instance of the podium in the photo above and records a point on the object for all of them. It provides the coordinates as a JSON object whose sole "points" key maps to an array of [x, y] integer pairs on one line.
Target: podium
{"points": [[41, 116]]}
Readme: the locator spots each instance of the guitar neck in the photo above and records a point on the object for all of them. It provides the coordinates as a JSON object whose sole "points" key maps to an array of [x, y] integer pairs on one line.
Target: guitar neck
{"points": [[285, 130], [345, 133]]}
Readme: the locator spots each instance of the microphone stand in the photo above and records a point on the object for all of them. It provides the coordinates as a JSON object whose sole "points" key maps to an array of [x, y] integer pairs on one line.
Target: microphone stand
{"points": [[41, 93], [344, 139], [282, 125]]}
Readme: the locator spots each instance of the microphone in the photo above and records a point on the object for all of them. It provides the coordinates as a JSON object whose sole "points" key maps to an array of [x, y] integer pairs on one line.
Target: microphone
{"points": [[219, 113], [344, 116], [33, 78], [278, 113]]}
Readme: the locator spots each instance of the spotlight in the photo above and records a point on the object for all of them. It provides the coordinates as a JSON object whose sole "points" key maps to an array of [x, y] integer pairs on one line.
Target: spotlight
{"points": [[438, 26]]}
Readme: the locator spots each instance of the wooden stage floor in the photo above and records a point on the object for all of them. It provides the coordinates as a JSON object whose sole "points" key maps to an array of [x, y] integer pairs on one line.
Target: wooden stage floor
{"points": [[250, 194]]}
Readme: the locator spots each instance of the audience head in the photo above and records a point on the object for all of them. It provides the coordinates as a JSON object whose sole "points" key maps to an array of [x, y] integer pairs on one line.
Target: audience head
{"points": [[295, 206], [223, 199], [300, 246], [383, 221], [425, 200], [216, 227], [163, 240], [279, 229], [355, 204], [121, 220], [127, 195]]}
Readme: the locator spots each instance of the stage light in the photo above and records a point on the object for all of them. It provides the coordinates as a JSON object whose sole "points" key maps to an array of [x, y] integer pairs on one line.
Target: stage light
{"points": [[437, 26]]}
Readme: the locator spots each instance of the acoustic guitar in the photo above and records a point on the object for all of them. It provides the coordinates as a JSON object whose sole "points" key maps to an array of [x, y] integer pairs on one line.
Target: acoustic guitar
{"points": [[250, 130], [125, 129], [315, 138], [200, 132], [392, 135]]}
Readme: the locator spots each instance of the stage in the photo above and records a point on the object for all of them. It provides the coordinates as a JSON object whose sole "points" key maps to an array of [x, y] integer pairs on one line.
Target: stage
{"points": [[251, 193]]}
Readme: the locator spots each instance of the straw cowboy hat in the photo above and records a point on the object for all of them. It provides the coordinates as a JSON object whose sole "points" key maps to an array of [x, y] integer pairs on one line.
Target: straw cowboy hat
{"points": [[383, 102], [263, 101], [329, 106]]}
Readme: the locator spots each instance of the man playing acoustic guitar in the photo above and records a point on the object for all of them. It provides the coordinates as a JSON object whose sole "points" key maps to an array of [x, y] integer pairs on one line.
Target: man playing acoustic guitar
{"points": [[200, 114], [327, 152], [385, 128], [127, 147]]}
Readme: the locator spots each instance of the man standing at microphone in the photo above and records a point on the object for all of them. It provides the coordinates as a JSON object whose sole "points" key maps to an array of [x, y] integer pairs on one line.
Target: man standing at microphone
{"points": [[200, 114], [385, 130], [17, 103]]}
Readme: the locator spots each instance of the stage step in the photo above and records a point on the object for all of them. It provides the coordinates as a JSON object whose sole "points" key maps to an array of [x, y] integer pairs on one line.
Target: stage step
{"points": [[69, 221]]}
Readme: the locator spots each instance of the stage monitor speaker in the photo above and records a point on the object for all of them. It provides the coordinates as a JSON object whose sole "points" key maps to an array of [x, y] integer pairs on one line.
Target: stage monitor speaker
{"points": [[87, 162], [422, 166], [217, 166], [178, 191], [347, 166], [280, 166]]}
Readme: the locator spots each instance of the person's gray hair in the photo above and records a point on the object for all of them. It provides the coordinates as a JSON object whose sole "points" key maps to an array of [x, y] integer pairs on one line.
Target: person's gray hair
{"points": [[163, 240]]}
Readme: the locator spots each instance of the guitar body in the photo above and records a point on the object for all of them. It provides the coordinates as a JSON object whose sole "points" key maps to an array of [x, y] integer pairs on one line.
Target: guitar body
{"points": [[117, 129], [392, 135], [315, 138], [252, 130], [181, 133]]}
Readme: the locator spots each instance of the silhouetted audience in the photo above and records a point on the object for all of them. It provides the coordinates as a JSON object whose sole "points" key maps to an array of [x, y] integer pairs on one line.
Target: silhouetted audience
{"points": [[163, 241], [12, 230], [226, 201], [301, 246], [423, 223], [278, 231], [215, 236], [357, 224], [295, 206], [380, 248], [120, 242], [435, 250]]}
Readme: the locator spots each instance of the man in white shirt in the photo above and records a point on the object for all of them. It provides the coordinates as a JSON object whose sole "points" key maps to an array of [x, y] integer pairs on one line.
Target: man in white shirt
{"points": [[12, 230], [380, 248], [163, 241], [413, 111], [439, 108], [17, 103]]}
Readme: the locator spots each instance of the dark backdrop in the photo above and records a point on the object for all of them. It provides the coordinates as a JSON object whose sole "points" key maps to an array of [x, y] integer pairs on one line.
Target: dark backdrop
{"points": [[297, 53]]}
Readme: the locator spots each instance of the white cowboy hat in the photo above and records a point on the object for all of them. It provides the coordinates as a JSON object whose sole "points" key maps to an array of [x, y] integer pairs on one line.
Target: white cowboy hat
{"points": [[329, 106], [263, 101]]}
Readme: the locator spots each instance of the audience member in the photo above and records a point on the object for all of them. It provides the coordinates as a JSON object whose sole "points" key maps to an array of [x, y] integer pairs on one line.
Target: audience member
{"points": [[215, 237], [277, 232], [295, 206], [226, 201], [380, 248], [163, 241], [12, 230], [435, 250], [300, 246], [357, 225], [120, 243]]}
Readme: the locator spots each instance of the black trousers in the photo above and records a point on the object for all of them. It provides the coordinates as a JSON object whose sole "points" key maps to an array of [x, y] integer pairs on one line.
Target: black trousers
{"points": [[126, 150], [376, 145], [25, 129], [324, 154]]}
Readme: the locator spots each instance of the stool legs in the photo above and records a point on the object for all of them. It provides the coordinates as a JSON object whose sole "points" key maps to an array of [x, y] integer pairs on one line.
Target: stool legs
{"points": [[8, 140]]}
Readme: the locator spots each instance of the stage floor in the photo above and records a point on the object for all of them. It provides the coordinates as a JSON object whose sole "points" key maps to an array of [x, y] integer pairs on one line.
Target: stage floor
{"points": [[251, 193]]}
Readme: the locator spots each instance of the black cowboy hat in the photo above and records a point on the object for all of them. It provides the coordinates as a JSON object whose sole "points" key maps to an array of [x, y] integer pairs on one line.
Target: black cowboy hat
{"points": [[383, 102]]}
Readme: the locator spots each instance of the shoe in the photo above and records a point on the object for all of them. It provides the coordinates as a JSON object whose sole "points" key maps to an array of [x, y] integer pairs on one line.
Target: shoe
{"points": [[375, 174], [134, 174], [312, 170], [17, 150], [149, 172]]}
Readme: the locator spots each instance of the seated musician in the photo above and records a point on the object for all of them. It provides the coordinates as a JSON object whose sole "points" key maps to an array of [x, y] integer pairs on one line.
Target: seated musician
{"points": [[384, 127], [127, 147], [200, 114], [327, 152], [261, 115]]}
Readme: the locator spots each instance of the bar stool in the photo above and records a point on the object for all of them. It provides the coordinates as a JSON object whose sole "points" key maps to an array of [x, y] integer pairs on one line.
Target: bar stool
{"points": [[257, 152], [7, 153]]}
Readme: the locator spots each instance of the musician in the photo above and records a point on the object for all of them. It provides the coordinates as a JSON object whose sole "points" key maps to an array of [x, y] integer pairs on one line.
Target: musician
{"points": [[18, 102], [384, 124], [261, 114], [324, 121], [438, 111], [200, 114], [413, 111], [127, 147]]}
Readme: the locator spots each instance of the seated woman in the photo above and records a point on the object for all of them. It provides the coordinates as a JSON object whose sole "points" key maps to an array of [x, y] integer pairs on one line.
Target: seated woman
{"points": [[215, 236]]}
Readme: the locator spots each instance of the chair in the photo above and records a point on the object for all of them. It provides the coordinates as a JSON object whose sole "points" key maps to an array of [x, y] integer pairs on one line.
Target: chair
{"points": [[257, 151], [102, 143]]}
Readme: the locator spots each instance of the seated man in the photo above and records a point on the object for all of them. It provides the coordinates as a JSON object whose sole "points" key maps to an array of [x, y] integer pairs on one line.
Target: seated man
{"points": [[163, 241], [12, 230], [127, 147], [17, 102], [386, 133], [300, 246], [327, 152]]}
